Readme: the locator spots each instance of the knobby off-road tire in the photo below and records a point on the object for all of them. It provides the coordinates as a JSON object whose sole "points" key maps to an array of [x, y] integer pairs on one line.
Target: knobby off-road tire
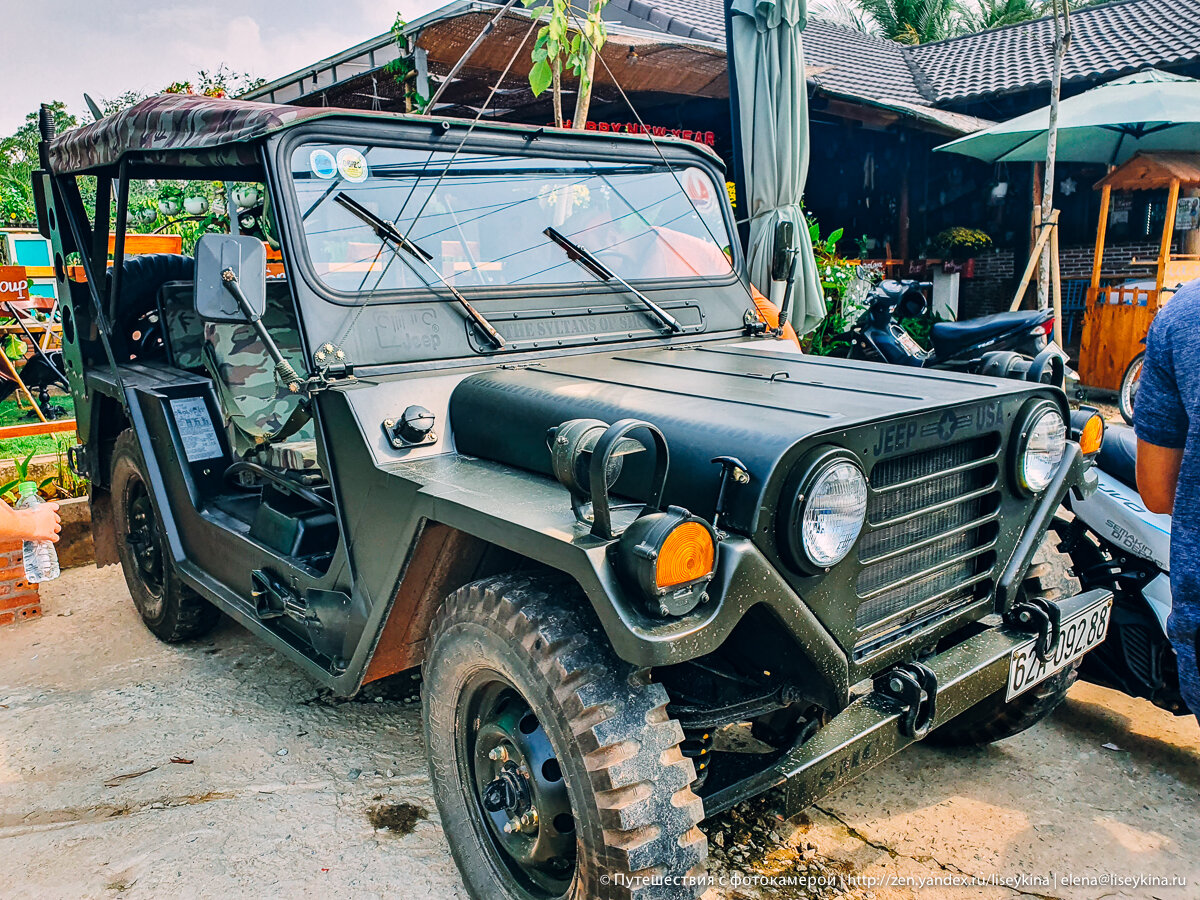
{"points": [[170, 609], [532, 641], [994, 719]]}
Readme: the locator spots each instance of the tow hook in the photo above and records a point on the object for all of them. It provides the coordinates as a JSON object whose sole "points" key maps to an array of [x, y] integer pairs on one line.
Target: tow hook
{"points": [[1041, 617], [914, 687]]}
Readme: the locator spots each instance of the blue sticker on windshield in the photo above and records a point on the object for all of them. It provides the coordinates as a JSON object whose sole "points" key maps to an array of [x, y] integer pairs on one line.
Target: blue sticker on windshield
{"points": [[322, 164]]}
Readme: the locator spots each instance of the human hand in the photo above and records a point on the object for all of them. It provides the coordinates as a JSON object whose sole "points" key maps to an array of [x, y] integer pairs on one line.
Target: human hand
{"points": [[41, 523]]}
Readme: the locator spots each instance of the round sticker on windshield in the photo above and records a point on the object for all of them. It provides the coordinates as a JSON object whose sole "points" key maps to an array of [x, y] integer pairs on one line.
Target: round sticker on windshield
{"points": [[322, 164], [352, 164], [699, 189]]}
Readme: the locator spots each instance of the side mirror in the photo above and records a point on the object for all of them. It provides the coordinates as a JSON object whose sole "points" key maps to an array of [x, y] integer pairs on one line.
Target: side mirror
{"points": [[785, 250], [246, 258]]}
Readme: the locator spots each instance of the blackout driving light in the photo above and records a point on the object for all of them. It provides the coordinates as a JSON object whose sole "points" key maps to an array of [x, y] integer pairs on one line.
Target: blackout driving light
{"points": [[1043, 441], [828, 513]]}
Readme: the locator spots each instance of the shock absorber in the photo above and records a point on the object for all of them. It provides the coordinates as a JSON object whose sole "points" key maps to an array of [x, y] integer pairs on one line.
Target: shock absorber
{"points": [[697, 746]]}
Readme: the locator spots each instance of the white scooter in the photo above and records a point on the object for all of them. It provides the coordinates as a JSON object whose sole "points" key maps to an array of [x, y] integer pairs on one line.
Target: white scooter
{"points": [[1114, 542]]}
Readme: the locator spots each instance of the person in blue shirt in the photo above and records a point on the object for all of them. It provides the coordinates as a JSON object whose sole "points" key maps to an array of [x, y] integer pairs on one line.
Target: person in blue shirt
{"points": [[1167, 421]]}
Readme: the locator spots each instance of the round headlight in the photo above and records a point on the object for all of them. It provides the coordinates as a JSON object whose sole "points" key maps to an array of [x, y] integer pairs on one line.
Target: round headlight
{"points": [[832, 512], [1045, 443]]}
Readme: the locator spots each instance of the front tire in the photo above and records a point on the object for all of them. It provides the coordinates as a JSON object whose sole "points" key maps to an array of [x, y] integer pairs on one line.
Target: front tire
{"points": [[994, 719], [172, 611], [555, 767]]}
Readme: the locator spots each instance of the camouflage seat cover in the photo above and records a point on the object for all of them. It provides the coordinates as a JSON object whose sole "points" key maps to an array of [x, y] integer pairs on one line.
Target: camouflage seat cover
{"points": [[182, 326], [256, 407]]}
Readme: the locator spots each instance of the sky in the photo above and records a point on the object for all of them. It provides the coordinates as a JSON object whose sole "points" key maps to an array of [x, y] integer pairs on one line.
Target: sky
{"points": [[58, 49]]}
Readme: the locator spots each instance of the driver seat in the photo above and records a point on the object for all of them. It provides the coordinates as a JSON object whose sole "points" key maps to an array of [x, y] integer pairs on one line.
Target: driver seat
{"points": [[950, 337], [264, 421]]}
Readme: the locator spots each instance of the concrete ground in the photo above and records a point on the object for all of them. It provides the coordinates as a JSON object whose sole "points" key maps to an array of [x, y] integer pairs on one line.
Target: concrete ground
{"points": [[129, 768]]}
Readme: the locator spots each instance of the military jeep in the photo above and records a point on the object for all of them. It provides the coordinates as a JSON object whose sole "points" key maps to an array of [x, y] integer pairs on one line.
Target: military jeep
{"points": [[496, 401]]}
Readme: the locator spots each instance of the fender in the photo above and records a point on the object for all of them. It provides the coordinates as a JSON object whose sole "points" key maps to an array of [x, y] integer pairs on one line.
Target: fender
{"points": [[528, 515]]}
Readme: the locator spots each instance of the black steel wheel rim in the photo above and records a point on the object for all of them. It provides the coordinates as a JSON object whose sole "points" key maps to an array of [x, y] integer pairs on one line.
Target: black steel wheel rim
{"points": [[145, 543], [516, 791]]}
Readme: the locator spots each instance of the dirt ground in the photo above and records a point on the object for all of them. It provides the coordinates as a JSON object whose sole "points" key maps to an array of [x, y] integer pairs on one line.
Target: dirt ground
{"points": [[129, 768]]}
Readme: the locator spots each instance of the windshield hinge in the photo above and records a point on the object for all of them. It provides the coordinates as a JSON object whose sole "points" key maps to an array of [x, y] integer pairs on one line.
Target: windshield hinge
{"points": [[753, 324], [330, 364]]}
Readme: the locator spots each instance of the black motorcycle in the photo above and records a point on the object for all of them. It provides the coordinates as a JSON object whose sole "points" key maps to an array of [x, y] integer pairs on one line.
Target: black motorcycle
{"points": [[1010, 344]]}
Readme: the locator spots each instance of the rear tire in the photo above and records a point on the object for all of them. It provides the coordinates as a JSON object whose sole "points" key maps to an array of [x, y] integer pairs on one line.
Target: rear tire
{"points": [[172, 611], [516, 663], [995, 719], [1127, 396]]}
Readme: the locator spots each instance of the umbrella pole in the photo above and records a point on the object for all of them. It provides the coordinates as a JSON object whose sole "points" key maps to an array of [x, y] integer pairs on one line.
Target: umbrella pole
{"points": [[1056, 281]]}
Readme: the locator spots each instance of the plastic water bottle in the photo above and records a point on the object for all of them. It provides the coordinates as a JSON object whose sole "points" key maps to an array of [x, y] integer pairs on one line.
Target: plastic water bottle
{"points": [[41, 559]]}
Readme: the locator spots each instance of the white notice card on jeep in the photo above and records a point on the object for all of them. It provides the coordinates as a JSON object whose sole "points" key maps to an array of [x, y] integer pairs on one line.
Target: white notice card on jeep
{"points": [[195, 428]]}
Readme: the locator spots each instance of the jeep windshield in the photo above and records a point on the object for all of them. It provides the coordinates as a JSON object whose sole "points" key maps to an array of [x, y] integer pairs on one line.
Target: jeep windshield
{"points": [[481, 219]]}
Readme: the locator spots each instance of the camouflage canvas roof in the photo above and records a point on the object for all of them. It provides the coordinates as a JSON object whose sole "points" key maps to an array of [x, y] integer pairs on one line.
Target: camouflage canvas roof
{"points": [[161, 129]]}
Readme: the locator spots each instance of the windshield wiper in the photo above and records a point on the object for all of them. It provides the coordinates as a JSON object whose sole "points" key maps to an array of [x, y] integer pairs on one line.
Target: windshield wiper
{"points": [[587, 260], [385, 231]]}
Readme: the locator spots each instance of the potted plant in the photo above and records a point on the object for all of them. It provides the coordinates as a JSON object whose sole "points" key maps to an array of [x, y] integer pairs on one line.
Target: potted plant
{"points": [[170, 197], [959, 246], [195, 206], [245, 196], [75, 546]]}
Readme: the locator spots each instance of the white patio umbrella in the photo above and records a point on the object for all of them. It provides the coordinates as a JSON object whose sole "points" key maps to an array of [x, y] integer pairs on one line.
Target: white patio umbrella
{"points": [[1151, 110], [768, 64]]}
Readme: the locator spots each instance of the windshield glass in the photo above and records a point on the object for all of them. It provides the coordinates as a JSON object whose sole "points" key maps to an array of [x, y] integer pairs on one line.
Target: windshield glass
{"points": [[481, 222]]}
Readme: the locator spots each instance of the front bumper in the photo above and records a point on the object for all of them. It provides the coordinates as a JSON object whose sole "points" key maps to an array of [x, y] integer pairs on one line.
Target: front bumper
{"points": [[870, 730]]}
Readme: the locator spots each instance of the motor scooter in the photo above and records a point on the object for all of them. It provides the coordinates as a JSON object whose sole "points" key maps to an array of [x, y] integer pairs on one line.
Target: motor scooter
{"points": [[1115, 543], [1009, 344]]}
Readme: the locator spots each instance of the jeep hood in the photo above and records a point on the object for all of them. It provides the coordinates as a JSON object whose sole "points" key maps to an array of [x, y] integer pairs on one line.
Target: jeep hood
{"points": [[744, 399]]}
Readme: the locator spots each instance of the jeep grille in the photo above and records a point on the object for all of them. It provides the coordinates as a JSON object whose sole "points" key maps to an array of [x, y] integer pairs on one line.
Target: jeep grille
{"points": [[926, 550]]}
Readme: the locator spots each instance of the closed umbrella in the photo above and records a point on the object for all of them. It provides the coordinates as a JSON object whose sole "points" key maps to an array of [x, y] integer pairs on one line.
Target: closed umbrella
{"points": [[768, 65], [1149, 111]]}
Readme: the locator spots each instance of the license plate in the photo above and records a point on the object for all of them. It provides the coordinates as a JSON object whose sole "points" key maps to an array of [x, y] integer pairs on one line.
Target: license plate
{"points": [[909, 343], [1078, 635]]}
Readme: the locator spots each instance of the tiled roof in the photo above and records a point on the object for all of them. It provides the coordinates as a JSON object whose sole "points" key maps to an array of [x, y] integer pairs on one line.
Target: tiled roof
{"points": [[1106, 41], [848, 61]]}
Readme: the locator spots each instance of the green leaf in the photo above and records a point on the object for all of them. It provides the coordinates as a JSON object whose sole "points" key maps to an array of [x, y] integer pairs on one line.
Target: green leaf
{"points": [[540, 77], [836, 235], [4, 489]]}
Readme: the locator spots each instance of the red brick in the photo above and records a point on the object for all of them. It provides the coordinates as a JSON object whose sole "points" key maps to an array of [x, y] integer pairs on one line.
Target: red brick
{"points": [[7, 619], [16, 601], [30, 612]]}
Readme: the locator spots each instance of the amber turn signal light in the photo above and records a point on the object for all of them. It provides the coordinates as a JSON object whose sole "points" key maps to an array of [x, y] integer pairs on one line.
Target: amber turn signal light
{"points": [[669, 556], [1087, 429], [1092, 435], [686, 555]]}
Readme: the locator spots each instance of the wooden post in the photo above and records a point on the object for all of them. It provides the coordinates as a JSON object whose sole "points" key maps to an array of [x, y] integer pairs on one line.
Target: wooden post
{"points": [[12, 371], [1056, 281], [1035, 256], [902, 208], [1101, 232], [1191, 239], [1168, 233]]}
